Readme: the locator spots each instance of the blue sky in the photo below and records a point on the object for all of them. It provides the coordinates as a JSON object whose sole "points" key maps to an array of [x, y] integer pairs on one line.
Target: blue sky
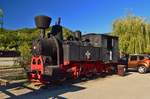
{"points": [[85, 15]]}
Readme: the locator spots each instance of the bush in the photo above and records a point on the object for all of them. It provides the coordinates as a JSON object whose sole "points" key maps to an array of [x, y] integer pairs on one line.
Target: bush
{"points": [[25, 58]]}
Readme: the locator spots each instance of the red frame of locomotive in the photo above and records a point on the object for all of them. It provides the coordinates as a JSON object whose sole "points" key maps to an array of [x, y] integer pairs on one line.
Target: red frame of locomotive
{"points": [[89, 68]]}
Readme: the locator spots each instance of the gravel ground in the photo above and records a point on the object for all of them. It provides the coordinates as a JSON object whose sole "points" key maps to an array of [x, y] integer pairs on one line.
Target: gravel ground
{"points": [[11, 72], [132, 86]]}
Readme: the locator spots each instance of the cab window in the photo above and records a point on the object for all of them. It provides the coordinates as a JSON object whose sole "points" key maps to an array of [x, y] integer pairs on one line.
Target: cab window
{"points": [[133, 58]]}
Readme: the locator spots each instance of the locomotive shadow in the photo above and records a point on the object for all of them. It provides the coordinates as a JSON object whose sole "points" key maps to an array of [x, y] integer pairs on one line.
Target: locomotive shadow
{"points": [[52, 92], [86, 79]]}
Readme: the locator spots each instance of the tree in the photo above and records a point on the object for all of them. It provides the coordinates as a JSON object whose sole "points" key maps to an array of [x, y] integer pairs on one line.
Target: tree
{"points": [[133, 33], [67, 33], [9, 40], [25, 58]]}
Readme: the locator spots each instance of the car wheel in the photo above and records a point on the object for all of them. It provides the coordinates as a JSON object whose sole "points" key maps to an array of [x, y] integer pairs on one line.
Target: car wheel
{"points": [[142, 69]]}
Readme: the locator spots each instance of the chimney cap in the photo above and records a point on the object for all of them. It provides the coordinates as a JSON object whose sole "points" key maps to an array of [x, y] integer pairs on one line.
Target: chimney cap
{"points": [[42, 21]]}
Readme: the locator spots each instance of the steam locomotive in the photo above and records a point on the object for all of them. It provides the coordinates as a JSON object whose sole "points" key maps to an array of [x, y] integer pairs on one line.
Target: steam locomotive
{"points": [[77, 56]]}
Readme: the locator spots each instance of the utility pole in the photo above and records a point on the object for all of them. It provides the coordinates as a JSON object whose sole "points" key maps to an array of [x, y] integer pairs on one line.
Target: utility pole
{"points": [[1, 19]]}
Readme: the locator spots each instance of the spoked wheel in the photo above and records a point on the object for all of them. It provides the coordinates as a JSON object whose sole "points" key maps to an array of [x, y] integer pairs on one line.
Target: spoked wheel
{"points": [[142, 69], [89, 75]]}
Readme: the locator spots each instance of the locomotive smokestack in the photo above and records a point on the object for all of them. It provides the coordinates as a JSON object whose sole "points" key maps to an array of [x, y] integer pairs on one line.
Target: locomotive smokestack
{"points": [[42, 22]]}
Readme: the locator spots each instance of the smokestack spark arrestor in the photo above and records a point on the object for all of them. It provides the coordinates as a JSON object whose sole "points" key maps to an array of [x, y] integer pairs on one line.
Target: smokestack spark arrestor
{"points": [[42, 22]]}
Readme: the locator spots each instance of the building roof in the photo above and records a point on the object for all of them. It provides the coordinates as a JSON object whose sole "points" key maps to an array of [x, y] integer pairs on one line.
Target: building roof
{"points": [[98, 34]]}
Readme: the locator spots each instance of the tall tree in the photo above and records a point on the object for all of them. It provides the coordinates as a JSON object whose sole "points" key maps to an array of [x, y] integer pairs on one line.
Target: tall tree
{"points": [[133, 33]]}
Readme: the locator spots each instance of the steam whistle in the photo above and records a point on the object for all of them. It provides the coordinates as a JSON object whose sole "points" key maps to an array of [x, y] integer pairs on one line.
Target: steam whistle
{"points": [[59, 20], [57, 30]]}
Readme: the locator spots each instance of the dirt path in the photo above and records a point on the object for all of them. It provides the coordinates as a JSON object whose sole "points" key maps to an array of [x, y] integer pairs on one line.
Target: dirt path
{"points": [[133, 86]]}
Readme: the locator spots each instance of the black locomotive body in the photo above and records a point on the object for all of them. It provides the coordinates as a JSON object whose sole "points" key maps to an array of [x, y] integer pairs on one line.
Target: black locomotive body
{"points": [[55, 58]]}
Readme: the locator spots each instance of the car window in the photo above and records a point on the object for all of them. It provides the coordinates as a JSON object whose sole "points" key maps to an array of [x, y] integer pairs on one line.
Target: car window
{"points": [[148, 56], [141, 57], [133, 58]]}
